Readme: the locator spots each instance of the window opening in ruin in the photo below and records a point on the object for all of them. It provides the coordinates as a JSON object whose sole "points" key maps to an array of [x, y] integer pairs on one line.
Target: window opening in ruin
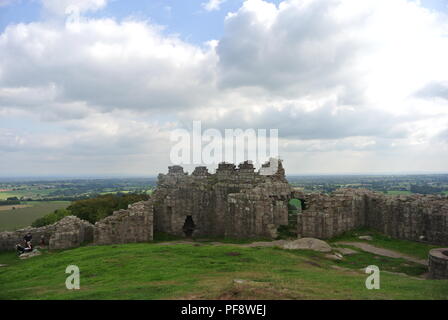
{"points": [[290, 230], [294, 206], [189, 226]]}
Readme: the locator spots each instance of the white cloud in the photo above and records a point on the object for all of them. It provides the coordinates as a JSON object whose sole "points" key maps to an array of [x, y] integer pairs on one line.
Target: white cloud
{"points": [[63, 7], [362, 82], [213, 5], [370, 57], [106, 64]]}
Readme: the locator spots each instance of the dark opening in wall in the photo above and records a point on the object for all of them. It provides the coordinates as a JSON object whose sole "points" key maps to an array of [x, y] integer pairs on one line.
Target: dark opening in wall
{"points": [[189, 226], [290, 230], [295, 205]]}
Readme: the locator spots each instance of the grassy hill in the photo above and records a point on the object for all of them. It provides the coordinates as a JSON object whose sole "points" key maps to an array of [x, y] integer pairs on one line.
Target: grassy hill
{"points": [[208, 271]]}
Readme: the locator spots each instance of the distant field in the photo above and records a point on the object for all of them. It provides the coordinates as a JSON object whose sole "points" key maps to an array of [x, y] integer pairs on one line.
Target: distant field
{"points": [[398, 192], [29, 193], [22, 217], [16, 206]]}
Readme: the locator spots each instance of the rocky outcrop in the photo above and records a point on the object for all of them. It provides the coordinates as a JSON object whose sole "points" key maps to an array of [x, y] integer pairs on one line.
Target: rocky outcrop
{"points": [[31, 254], [134, 224], [308, 244]]}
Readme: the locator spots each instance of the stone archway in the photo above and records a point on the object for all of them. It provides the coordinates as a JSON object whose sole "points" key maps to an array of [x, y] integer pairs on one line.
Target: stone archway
{"points": [[189, 226]]}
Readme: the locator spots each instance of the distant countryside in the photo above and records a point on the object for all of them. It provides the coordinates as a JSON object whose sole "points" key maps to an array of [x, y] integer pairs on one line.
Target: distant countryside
{"points": [[31, 201], [23, 202]]}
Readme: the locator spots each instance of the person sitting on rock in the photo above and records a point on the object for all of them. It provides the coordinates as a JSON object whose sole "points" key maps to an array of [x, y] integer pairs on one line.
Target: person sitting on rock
{"points": [[28, 247]]}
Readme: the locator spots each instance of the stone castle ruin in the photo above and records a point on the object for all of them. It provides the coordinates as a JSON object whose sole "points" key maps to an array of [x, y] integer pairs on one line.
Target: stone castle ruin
{"points": [[234, 202], [240, 202]]}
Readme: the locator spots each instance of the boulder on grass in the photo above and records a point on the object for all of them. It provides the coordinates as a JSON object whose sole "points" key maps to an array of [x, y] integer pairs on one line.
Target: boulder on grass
{"points": [[307, 244], [31, 254]]}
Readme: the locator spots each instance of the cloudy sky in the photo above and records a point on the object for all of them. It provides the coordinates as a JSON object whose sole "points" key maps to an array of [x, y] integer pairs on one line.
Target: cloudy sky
{"points": [[95, 87]]}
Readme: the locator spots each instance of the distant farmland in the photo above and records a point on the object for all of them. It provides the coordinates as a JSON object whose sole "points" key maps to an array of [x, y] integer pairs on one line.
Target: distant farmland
{"points": [[22, 217]]}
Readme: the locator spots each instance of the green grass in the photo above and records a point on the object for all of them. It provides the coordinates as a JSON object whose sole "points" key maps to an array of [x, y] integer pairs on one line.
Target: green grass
{"points": [[415, 249], [165, 237], [23, 217], [363, 259], [203, 271], [295, 202], [7, 194]]}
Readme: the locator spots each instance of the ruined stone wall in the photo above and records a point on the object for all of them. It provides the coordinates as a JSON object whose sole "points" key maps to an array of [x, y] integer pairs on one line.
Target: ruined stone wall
{"points": [[259, 211], [238, 202], [326, 216], [67, 233], [218, 203], [71, 232], [413, 217], [179, 195], [9, 239], [134, 224]]}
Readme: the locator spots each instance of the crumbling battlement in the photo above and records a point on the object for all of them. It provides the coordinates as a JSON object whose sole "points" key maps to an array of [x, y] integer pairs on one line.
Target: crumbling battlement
{"points": [[234, 201]]}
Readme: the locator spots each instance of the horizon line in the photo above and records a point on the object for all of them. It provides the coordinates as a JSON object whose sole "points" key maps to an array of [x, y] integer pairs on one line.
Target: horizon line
{"points": [[131, 176]]}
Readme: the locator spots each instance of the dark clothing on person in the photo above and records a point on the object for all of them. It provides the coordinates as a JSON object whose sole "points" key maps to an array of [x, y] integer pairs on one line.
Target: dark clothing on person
{"points": [[27, 248]]}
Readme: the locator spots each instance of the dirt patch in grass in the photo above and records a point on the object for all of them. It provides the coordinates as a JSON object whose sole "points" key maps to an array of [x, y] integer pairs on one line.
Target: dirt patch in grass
{"points": [[382, 252]]}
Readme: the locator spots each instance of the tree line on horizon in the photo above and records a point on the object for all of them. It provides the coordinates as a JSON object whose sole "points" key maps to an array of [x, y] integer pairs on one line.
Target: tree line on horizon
{"points": [[93, 209]]}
